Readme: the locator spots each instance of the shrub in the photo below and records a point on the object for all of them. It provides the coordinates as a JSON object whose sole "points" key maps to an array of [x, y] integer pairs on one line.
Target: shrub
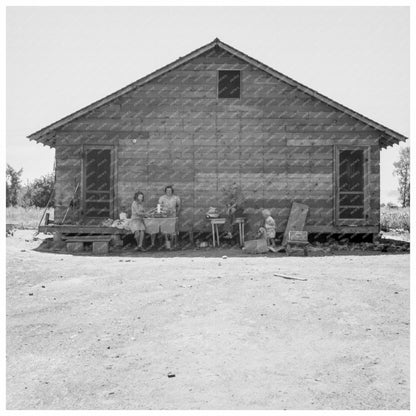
{"points": [[38, 192], [395, 219]]}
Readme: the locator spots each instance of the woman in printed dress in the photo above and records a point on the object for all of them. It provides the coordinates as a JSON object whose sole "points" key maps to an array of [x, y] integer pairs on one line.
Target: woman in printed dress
{"points": [[136, 223], [171, 205]]}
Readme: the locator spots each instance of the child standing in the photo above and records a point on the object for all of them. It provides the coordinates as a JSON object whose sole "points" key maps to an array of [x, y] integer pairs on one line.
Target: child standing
{"points": [[268, 230], [122, 222]]}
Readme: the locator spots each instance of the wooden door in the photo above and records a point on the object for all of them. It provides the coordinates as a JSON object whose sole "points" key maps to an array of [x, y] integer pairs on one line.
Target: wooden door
{"points": [[352, 185], [98, 183]]}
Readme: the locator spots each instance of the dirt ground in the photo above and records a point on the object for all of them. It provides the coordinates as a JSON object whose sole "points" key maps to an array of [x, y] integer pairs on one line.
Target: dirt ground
{"points": [[193, 332]]}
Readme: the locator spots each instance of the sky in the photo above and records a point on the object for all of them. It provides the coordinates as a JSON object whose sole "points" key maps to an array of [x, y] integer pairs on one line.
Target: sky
{"points": [[60, 59]]}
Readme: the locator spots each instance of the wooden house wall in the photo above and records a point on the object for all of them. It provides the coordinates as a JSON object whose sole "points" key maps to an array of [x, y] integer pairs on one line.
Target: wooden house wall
{"points": [[275, 141]]}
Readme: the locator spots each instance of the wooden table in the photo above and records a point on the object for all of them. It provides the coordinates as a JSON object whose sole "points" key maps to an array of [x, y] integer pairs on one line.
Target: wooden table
{"points": [[297, 238], [220, 221], [164, 225], [214, 229]]}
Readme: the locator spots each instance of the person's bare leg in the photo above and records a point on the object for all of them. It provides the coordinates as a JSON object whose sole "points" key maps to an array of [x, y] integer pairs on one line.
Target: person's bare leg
{"points": [[152, 241], [166, 240], [271, 245], [137, 238], [141, 237]]}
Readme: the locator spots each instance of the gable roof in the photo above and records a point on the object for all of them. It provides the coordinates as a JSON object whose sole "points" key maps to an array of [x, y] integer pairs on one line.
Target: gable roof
{"points": [[46, 135]]}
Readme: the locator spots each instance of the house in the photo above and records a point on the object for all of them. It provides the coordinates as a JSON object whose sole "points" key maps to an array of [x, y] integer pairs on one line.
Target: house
{"points": [[210, 119]]}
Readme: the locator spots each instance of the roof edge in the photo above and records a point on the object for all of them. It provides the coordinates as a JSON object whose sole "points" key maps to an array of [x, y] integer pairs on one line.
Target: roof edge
{"points": [[393, 136], [124, 90], [315, 94]]}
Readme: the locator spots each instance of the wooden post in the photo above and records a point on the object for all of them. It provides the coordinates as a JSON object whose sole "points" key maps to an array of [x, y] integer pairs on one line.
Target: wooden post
{"points": [[57, 237], [117, 240], [47, 206], [191, 237], [75, 247], [100, 247], [242, 233]]}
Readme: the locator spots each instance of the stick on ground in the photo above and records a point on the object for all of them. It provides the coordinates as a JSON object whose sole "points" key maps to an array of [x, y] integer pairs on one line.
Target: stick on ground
{"points": [[290, 278]]}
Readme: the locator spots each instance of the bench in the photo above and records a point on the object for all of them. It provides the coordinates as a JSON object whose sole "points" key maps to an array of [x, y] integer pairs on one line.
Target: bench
{"points": [[100, 243], [297, 238]]}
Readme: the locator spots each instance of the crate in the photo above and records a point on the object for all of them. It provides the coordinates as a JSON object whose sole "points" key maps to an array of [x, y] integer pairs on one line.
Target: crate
{"points": [[297, 239]]}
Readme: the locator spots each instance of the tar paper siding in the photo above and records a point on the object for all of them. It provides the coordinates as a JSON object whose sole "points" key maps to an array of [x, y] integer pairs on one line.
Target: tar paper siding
{"points": [[277, 142]]}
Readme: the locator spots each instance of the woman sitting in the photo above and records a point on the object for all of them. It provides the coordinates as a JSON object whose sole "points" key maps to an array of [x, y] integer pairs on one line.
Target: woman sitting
{"points": [[234, 209], [136, 223]]}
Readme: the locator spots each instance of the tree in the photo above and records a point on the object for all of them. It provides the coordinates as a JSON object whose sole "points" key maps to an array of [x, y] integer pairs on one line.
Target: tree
{"points": [[402, 171], [38, 191], [13, 185]]}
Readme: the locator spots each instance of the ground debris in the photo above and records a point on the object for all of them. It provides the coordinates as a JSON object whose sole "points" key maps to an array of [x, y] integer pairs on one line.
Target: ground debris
{"points": [[171, 375], [290, 277], [382, 244]]}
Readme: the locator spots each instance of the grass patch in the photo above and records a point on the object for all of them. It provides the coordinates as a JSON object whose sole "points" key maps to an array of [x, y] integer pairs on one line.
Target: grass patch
{"points": [[395, 219], [25, 218]]}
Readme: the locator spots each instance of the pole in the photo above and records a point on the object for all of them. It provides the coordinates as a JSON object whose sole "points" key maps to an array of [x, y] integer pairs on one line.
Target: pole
{"points": [[69, 206]]}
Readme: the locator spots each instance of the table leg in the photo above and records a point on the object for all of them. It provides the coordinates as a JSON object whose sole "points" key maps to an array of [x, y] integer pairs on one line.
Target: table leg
{"points": [[213, 234], [242, 237], [218, 235]]}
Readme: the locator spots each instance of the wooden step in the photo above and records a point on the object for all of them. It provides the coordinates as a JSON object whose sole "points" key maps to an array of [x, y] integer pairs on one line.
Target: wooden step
{"points": [[87, 238]]}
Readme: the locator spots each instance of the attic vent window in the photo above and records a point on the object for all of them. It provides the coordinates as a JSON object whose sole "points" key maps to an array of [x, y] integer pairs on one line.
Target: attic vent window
{"points": [[229, 84]]}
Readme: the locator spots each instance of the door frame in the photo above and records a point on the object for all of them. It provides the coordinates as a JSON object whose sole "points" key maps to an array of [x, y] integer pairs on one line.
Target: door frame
{"points": [[367, 192], [113, 178]]}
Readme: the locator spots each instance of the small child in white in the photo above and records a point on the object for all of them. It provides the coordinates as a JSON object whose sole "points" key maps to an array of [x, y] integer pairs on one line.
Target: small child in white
{"points": [[268, 230]]}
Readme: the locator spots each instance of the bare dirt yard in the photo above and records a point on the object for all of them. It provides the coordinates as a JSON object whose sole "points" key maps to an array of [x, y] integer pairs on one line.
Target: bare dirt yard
{"points": [[194, 332]]}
